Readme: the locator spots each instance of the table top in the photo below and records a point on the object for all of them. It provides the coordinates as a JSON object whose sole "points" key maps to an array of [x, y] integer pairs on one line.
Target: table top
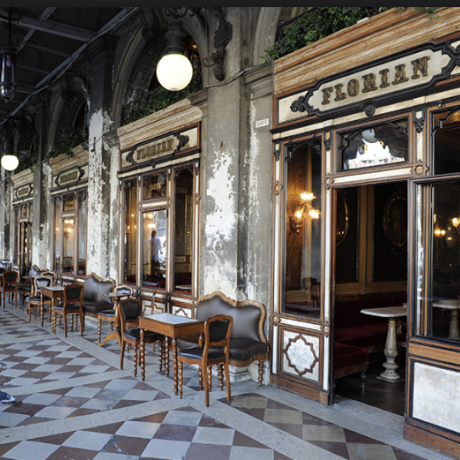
{"points": [[184, 287], [116, 295], [174, 320], [386, 312], [53, 288], [453, 304]]}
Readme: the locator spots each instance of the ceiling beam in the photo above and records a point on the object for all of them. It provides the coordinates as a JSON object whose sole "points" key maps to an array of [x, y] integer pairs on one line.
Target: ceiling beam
{"points": [[48, 50], [56, 28], [33, 69], [45, 15]]}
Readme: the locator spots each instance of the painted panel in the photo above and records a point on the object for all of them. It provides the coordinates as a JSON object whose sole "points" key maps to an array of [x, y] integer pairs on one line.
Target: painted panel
{"points": [[301, 355], [181, 311], [435, 398], [285, 113]]}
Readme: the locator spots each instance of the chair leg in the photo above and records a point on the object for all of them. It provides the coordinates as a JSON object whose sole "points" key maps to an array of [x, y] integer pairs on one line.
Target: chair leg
{"points": [[206, 385], [29, 311], [99, 332], [65, 324], [181, 372], [161, 354], [210, 378], [220, 376], [200, 379], [81, 323], [54, 323], [135, 359], [363, 382], [261, 372], [122, 354], [227, 382], [42, 308]]}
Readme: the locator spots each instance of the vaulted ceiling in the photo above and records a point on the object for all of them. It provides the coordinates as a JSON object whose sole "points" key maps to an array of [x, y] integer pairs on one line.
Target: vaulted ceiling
{"points": [[49, 39]]}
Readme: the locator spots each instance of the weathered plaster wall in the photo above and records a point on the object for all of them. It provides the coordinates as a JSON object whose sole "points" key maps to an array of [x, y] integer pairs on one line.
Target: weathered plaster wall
{"points": [[47, 224]]}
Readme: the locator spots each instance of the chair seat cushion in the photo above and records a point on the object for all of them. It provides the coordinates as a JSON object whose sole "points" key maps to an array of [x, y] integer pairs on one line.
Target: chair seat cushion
{"points": [[69, 307], [214, 353], [38, 299], [241, 350], [94, 308], [107, 314], [135, 334]]}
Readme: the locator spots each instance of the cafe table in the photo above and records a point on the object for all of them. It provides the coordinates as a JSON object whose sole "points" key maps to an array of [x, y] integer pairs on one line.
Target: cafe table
{"points": [[391, 348], [172, 326], [116, 334], [53, 292], [452, 305]]}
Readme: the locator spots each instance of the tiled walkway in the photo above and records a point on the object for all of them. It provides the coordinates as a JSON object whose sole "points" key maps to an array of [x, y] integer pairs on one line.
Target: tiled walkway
{"points": [[73, 402]]}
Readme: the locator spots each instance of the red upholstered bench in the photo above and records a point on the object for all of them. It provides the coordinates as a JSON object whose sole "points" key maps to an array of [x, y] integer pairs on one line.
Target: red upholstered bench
{"points": [[348, 360]]}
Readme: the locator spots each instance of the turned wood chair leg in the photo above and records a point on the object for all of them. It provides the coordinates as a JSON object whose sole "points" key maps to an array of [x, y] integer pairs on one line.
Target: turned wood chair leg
{"points": [[363, 382], [227, 382], [99, 331], [122, 354], [206, 387], [200, 378], [161, 347], [181, 372], [261, 372], [210, 377], [220, 376]]}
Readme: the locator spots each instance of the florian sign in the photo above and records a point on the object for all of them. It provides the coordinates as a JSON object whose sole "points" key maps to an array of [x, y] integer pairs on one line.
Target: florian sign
{"points": [[24, 192], [400, 77], [160, 149], [71, 176]]}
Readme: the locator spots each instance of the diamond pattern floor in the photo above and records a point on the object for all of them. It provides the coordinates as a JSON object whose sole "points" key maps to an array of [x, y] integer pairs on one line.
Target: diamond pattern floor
{"points": [[73, 402]]}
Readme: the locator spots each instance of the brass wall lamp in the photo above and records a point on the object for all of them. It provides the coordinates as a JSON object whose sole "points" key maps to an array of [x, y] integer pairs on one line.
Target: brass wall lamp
{"points": [[304, 211]]}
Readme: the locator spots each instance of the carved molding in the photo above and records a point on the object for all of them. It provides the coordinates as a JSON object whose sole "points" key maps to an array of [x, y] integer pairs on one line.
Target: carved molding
{"points": [[421, 169], [277, 188], [328, 182], [277, 152]]}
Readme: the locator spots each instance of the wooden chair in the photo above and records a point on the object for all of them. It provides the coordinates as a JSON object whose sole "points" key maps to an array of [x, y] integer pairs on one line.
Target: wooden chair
{"points": [[72, 305], [109, 315], [38, 300], [217, 332], [10, 285], [128, 312]]}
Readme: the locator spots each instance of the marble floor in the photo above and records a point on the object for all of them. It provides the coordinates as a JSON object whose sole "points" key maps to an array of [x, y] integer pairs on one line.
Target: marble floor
{"points": [[73, 402]]}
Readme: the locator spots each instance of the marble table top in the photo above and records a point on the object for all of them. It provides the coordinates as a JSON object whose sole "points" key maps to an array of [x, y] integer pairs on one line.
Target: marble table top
{"points": [[453, 304], [386, 312]]}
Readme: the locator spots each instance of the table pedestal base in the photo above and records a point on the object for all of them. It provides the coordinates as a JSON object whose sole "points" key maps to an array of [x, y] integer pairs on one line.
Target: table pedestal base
{"points": [[391, 352]]}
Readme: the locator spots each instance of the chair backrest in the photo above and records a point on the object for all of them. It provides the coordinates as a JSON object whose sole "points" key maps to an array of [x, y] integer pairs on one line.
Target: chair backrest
{"points": [[124, 289], [2, 270], [96, 287], [52, 276], [10, 278], [130, 310], [41, 281], [217, 332], [73, 293], [35, 271]]}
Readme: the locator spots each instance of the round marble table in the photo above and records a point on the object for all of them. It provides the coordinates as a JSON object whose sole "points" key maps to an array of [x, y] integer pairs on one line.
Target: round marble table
{"points": [[391, 349], [453, 306]]}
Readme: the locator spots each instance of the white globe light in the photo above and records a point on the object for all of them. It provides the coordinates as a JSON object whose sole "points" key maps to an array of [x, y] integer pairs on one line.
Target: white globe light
{"points": [[10, 162], [174, 72]]}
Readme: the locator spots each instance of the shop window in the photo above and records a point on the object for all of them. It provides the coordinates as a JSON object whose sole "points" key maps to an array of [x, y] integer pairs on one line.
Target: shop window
{"points": [[130, 224], [70, 233], [447, 142], [303, 230], [154, 249], [154, 186], [183, 224], [438, 260], [378, 145]]}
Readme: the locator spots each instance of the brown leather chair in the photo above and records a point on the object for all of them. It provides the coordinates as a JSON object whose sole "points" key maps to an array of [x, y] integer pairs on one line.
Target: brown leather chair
{"points": [[217, 332], [72, 305], [10, 285], [129, 312]]}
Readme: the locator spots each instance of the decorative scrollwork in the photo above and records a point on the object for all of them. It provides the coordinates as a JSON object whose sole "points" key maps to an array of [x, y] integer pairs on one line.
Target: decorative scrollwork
{"points": [[369, 107], [277, 188], [300, 105], [419, 124], [301, 355], [328, 182]]}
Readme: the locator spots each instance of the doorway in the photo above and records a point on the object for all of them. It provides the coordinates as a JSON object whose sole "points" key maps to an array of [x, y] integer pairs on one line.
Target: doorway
{"points": [[371, 272]]}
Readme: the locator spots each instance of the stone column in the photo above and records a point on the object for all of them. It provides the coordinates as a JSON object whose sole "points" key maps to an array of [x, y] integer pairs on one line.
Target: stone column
{"points": [[100, 56]]}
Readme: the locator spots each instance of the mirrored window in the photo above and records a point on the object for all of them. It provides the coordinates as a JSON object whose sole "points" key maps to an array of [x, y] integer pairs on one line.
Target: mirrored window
{"points": [[130, 231], [447, 142], [154, 186], [378, 145]]}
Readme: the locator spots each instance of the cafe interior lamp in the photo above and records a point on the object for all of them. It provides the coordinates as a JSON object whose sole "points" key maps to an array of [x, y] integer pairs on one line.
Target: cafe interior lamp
{"points": [[10, 162], [174, 71], [8, 58], [305, 209]]}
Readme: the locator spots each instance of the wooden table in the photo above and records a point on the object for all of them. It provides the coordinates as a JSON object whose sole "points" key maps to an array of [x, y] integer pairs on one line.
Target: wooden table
{"points": [[169, 325], [53, 292], [391, 349], [453, 306]]}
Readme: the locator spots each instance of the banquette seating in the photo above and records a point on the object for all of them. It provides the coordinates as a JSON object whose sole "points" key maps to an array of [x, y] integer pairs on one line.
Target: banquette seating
{"points": [[356, 334], [247, 341], [93, 300]]}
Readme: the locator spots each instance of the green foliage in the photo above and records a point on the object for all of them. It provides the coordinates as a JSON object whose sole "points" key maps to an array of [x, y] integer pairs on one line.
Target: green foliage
{"points": [[67, 143], [321, 22], [430, 10], [160, 98]]}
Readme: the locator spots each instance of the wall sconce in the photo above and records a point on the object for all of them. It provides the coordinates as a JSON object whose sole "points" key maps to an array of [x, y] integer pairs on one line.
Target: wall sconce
{"points": [[8, 59], [455, 222], [10, 162], [305, 210]]}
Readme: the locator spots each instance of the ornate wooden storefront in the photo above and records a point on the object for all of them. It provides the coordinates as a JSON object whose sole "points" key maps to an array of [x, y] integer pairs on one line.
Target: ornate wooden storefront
{"points": [[366, 180]]}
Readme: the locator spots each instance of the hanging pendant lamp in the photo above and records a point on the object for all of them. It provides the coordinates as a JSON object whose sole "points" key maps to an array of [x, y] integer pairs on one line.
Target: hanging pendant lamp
{"points": [[174, 71], [8, 61]]}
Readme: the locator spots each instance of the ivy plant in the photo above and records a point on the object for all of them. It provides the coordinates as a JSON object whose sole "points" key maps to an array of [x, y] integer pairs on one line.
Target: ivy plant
{"points": [[321, 22], [160, 98], [65, 144]]}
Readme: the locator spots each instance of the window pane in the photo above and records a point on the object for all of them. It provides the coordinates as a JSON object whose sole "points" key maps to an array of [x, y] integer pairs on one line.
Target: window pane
{"points": [[69, 244], [183, 216], [374, 146], [57, 236], [303, 231], [69, 203], [82, 236], [154, 186], [439, 261], [154, 249], [447, 142], [130, 269]]}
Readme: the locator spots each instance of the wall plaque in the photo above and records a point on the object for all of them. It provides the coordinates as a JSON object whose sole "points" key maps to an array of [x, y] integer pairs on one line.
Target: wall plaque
{"points": [[71, 176], [24, 192]]}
